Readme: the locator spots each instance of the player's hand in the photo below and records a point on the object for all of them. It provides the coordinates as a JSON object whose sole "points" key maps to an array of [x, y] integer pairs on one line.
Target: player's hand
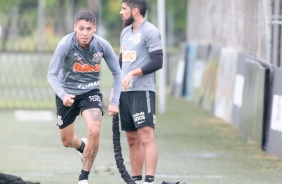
{"points": [[68, 100], [111, 95], [113, 110], [126, 81]]}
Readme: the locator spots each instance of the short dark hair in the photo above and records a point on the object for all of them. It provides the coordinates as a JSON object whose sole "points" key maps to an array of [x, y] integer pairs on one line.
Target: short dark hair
{"points": [[85, 15], [140, 4]]}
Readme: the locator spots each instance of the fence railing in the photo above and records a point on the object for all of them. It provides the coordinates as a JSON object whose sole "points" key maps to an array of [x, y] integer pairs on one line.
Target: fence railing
{"points": [[23, 81]]}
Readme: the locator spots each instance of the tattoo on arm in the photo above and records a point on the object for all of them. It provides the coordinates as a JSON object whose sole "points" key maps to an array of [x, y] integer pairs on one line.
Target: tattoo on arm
{"points": [[95, 114]]}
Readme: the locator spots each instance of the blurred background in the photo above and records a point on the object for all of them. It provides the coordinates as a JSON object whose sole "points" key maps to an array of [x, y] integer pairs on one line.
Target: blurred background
{"points": [[208, 49], [222, 57], [31, 29]]}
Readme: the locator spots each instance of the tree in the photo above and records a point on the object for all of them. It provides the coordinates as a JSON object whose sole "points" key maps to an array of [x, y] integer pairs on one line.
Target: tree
{"points": [[6, 19], [58, 19], [111, 19]]}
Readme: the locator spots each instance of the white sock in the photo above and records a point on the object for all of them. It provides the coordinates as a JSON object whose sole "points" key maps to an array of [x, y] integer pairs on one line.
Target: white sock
{"points": [[148, 183], [138, 181]]}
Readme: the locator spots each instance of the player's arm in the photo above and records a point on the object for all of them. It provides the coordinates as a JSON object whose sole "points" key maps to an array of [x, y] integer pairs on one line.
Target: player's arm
{"points": [[156, 63], [116, 89], [112, 61], [54, 69]]}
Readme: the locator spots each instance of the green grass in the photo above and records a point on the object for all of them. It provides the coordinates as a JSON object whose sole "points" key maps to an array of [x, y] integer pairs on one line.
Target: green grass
{"points": [[194, 147]]}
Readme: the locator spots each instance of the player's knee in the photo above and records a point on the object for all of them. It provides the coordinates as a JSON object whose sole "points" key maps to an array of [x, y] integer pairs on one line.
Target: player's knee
{"points": [[132, 139], [133, 142], [95, 131], [66, 142], [146, 139]]}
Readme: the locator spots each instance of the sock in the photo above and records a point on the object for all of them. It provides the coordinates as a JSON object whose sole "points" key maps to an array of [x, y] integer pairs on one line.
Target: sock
{"points": [[83, 175], [82, 146], [137, 179], [149, 179]]}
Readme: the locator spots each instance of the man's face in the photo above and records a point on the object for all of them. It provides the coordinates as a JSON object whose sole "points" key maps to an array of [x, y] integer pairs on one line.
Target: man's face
{"points": [[84, 32], [126, 15]]}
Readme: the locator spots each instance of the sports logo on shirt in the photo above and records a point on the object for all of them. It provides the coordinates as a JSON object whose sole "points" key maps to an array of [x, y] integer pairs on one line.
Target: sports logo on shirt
{"points": [[128, 55], [85, 68], [82, 66], [97, 57], [88, 85], [136, 38]]}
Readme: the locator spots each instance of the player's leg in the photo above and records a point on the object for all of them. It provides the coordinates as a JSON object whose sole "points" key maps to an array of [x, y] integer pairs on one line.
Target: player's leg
{"points": [[92, 112], [68, 138], [93, 119], [136, 152], [147, 138], [144, 120], [66, 117]]}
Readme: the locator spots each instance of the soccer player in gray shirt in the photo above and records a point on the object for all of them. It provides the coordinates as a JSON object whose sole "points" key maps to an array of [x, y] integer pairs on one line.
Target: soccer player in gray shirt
{"points": [[141, 55], [74, 75]]}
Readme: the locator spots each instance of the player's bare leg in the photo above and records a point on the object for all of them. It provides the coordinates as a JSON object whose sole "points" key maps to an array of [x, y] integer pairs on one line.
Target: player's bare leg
{"points": [[92, 118], [68, 138], [147, 138], [136, 153]]}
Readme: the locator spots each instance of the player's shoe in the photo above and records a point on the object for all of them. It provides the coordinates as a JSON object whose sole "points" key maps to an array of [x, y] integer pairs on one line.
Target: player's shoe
{"points": [[81, 154], [83, 182]]}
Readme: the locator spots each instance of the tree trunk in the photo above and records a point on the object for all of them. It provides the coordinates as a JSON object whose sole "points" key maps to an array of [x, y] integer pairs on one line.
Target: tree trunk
{"points": [[69, 20], [41, 25]]}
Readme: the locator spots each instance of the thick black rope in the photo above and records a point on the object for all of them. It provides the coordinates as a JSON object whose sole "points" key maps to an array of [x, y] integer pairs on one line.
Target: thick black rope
{"points": [[118, 154], [11, 179]]}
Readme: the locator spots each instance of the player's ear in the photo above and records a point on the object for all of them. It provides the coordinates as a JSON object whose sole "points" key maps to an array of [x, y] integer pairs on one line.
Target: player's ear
{"points": [[135, 11], [74, 27], [94, 28]]}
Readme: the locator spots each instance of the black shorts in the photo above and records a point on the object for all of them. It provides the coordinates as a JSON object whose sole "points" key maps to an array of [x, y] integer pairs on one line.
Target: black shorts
{"points": [[137, 109], [67, 115]]}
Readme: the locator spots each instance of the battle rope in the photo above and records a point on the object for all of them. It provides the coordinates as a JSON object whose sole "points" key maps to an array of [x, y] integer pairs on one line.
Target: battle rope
{"points": [[117, 150]]}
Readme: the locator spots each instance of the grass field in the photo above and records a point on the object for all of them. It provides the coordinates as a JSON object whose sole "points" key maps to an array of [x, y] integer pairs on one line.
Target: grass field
{"points": [[193, 147]]}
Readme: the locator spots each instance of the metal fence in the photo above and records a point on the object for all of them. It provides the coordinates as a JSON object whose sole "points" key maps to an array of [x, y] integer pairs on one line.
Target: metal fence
{"points": [[23, 81]]}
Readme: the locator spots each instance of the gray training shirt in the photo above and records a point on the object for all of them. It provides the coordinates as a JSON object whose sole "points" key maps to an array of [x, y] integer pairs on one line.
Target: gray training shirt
{"points": [[135, 49], [74, 70]]}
